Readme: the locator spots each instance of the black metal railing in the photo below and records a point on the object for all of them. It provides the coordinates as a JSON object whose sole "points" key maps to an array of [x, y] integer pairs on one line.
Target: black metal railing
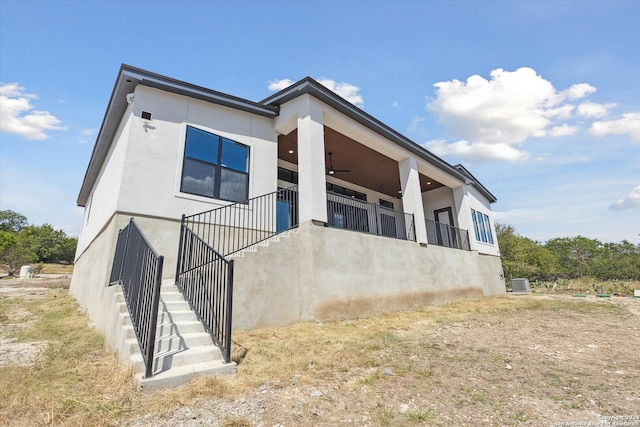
{"points": [[138, 268], [238, 226], [204, 275], [445, 235], [357, 215], [205, 278]]}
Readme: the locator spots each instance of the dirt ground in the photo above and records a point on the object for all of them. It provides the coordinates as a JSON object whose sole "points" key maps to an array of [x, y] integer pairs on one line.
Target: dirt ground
{"points": [[531, 360], [24, 353]]}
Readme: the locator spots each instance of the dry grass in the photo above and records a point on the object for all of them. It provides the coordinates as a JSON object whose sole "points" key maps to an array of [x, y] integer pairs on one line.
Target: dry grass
{"points": [[74, 381], [57, 269], [587, 286], [446, 364]]}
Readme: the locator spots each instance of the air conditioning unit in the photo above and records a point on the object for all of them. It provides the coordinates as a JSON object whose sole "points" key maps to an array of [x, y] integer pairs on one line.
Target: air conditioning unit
{"points": [[520, 285]]}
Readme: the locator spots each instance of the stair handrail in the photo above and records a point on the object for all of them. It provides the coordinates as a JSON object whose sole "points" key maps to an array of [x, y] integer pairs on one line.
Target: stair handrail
{"points": [[204, 270], [238, 226], [205, 279], [138, 268]]}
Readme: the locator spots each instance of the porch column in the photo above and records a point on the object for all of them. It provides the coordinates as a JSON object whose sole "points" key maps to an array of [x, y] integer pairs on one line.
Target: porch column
{"points": [[412, 196], [312, 184], [461, 199]]}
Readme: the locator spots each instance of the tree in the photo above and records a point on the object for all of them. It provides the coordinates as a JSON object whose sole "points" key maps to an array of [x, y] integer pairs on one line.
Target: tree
{"points": [[13, 252], [22, 244], [523, 257], [48, 244], [575, 254], [11, 221]]}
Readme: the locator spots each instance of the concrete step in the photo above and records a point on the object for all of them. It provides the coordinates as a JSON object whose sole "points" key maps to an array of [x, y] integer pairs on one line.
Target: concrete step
{"points": [[182, 327], [177, 358], [173, 343], [181, 375], [275, 240], [169, 295]]}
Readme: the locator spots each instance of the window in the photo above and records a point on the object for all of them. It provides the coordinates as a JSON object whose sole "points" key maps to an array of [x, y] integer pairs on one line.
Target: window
{"points": [[215, 167], [386, 203], [287, 175], [346, 191], [482, 227]]}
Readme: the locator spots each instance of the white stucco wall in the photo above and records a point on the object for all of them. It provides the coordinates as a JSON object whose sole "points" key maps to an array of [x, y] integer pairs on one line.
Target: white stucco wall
{"points": [[103, 201], [152, 173], [438, 199], [467, 198], [142, 173]]}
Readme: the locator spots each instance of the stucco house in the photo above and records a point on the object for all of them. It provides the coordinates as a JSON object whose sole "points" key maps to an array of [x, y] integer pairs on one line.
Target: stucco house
{"points": [[324, 211]]}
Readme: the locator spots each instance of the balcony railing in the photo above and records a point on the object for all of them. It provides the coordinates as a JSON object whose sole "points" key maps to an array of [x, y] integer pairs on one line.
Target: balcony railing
{"points": [[357, 215], [445, 235], [238, 226]]}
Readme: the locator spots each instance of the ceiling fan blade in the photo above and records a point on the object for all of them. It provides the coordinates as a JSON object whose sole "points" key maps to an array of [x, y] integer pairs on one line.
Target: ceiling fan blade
{"points": [[330, 169]]}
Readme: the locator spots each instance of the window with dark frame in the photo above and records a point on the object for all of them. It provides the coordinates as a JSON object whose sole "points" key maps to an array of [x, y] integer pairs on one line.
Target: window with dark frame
{"points": [[215, 166], [346, 191], [386, 203], [482, 227], [287, 175]]}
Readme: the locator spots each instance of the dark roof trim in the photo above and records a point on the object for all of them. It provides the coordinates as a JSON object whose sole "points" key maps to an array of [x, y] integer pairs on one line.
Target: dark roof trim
{"points": [[128, 78], [485, 192], [179, 87], [317, 90]]}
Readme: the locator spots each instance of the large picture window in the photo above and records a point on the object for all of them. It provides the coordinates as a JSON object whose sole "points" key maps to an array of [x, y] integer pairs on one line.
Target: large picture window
{"points": [[215, 167], [482, 227]]}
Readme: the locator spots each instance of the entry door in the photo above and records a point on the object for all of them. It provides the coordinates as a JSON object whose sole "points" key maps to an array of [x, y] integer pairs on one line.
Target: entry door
{"points": [[443, 232]]}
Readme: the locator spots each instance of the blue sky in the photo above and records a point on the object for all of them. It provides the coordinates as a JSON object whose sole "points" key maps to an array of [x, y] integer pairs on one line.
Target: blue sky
{"points": [[540, 100]]}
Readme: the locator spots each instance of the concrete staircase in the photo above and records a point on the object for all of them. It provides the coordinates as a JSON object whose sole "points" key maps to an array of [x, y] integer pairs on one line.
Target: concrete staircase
{"points": [[261, 247], [183, 350]]}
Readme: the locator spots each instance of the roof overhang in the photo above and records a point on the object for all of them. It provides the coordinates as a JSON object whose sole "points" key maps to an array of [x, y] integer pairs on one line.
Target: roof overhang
{"points": [[317, 90], [128, 79]]}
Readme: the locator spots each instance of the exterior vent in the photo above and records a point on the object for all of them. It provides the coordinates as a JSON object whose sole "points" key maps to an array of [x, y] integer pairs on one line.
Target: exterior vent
{"points": [[520, 285]]}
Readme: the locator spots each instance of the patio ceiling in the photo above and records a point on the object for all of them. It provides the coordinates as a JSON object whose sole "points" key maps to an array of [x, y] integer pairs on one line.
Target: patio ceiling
{"points": [[369, 168]]}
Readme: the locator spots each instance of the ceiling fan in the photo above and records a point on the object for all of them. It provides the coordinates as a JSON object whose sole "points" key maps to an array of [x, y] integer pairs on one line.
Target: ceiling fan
{"points": [[330, 169]]}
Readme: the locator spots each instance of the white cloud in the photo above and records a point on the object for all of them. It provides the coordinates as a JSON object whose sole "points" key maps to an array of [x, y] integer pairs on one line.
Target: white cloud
{"points": [[280, 84], [416, 126], [563, 130], [346, 90], [85, 136], [17, 114], [628, 124], [630, 201], [479, 151], [594, 110], [492, 116], [395, 104], [578, 91]]}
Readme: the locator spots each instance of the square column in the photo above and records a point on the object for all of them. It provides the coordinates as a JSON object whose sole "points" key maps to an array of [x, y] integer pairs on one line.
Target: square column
{"points": [[312, 183], [412, 196], [461, 200]]}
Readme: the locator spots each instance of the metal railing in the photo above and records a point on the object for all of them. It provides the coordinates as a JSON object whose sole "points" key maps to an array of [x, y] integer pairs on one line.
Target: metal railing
{"points": [[357, 215], [205, 278], [445, 235], [204, 275], [138, 268], [240, 225]]}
